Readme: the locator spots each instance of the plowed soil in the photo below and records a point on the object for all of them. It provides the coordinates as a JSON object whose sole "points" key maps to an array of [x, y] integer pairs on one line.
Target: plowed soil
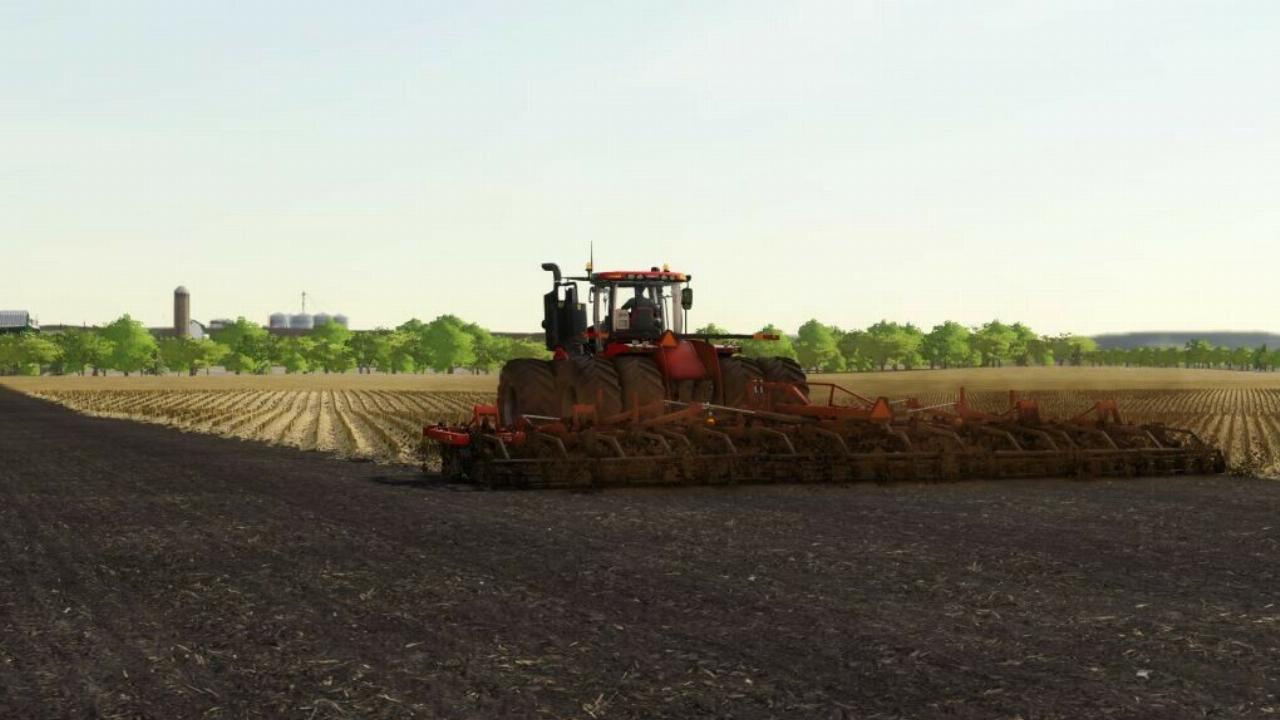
{"points": [[380, 417], [150, 573]]}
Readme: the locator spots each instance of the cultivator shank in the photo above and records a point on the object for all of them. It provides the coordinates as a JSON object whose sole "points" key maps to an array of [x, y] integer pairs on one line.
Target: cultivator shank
{"points": [[780, 434]]}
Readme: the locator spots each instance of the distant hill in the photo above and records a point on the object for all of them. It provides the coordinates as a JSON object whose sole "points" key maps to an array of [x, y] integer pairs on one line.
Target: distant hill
{"points": [[1179, 339]]}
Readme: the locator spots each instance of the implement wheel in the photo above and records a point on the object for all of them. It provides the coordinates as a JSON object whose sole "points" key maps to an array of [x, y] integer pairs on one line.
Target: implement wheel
{"points": [[641, 381], [596, 383], [738, 374], [526, 387], [784, 370]]}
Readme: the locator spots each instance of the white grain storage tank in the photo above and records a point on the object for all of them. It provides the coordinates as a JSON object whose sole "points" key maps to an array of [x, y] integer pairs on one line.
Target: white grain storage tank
{"points": [[301, 321], [278, 321], [341, 320], [321, 318]]}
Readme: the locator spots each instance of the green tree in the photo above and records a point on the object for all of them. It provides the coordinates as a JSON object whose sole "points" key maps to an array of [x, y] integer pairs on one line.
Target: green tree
{"points": [[853, 347], [889, 344], [1262, 358], [83, 348], [180, 353], [417, 330], [248, 347], [132, 346], [448, 345], [208, 354], [782, 347], [293, 353], [992, 341], [1039, 351], [487, 349], [710, 329], [397, 355], [1068, 349], [526, 349], [817, 348], [27, 353], [1023, 344], [9, 354], [329, 350], [946, 345], [367, 349], [1240, 358], [1199, 353]]}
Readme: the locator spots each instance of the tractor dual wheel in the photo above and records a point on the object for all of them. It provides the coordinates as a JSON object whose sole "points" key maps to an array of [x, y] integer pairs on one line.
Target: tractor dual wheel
{"points": [[641, 381], [526, 387], [784, 370], [737, 375], [596, 382]]}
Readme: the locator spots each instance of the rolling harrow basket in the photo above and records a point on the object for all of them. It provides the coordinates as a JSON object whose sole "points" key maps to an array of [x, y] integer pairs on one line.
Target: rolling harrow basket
{"points": [[780, 435]]}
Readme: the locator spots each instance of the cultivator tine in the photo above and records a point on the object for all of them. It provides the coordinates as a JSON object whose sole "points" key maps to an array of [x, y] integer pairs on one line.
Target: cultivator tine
{"points": [[777, 439]]}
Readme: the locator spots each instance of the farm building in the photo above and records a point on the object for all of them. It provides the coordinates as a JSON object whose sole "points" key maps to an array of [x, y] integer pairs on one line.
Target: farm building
{"points": [[16, 321], [195, 331]]}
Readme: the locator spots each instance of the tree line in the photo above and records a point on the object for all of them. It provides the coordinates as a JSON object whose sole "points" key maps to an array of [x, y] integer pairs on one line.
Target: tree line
{"points": [[445, 344], [892, 346], [448, 343]]}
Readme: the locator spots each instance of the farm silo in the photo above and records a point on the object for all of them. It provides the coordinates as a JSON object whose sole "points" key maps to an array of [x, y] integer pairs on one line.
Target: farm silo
{"points": [[181, 312], [301, 321], [341, 320], [321, 318], [278, 321]]}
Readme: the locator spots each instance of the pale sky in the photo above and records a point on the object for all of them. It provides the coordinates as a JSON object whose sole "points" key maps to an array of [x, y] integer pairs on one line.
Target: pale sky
{"points": [[1079, 165]]}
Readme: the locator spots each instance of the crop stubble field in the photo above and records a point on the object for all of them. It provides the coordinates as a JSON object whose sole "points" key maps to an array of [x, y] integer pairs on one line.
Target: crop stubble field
{"points": [[381, 417]]}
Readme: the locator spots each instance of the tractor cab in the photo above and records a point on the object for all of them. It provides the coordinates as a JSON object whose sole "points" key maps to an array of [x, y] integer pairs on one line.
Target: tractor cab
{"points": [[626, 307], [637, 306]]}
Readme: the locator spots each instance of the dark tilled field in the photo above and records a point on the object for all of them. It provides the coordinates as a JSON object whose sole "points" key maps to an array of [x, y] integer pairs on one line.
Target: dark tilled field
{"points": [[146, 573]]}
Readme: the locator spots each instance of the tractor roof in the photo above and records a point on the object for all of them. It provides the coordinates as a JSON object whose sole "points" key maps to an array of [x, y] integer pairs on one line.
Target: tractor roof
{"points": [[669, 276]]}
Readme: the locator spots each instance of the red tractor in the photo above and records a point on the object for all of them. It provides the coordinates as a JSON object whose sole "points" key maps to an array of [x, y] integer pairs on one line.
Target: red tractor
{"points": [[635, 351], [632, 398]]}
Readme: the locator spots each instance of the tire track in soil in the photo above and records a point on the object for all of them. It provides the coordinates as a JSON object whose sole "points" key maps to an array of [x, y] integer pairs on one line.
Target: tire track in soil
{"points": [[36, 526], [321, 588]]}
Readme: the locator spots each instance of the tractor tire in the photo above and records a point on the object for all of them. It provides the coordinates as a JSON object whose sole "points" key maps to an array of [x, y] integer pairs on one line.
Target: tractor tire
{"points": [[784, 370], [526, 387], [596, 383], [737, 374], [641, 381]]}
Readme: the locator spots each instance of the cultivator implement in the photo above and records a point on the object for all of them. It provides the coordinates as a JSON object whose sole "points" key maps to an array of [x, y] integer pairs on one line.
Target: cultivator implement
{"points": [[632, 399], [778, 434]]}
